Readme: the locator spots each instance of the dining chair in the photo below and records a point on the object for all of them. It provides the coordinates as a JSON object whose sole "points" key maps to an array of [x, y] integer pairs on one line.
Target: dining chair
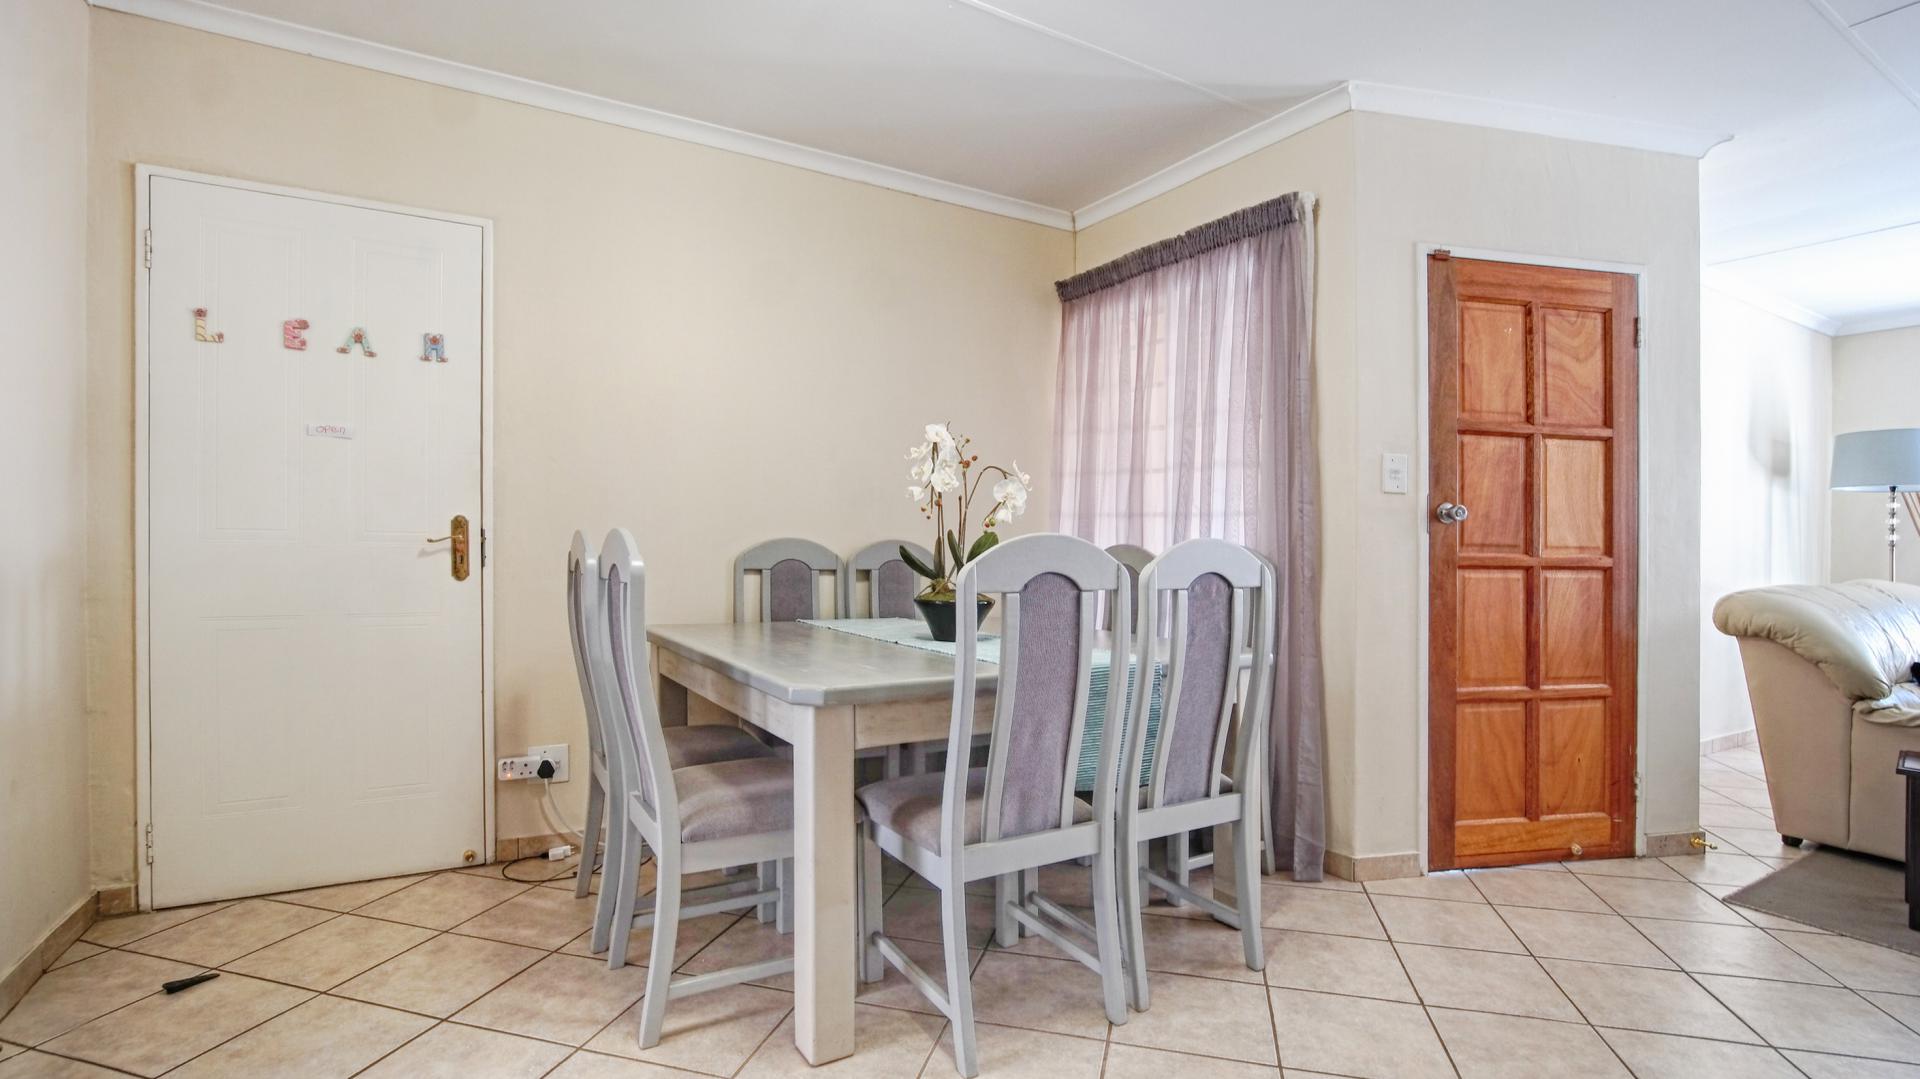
{"points": [[698, 818], [789, 570], [1220, 600], [1018, 813], [1135, 558], [685, 745], [890, 584]]}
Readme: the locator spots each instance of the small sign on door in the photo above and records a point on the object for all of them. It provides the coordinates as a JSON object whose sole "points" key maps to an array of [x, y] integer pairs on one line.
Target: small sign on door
{"points": [[329, 430]]}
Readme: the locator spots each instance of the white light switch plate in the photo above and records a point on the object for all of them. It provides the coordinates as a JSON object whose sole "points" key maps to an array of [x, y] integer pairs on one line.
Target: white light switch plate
{"points": [[1395, 473]]}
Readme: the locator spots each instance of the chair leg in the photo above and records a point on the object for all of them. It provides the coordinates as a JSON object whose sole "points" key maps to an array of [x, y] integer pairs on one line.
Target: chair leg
{"points": [[619, 839], [1246, 871], [896, 762], [769, 880], [589, 836], [953, 917], [872, 897], [1179, 847], [1132, 896], [666, 926], [1006, 931], [626, 886], [1106, 931], [783, 920], [1029, 884]]}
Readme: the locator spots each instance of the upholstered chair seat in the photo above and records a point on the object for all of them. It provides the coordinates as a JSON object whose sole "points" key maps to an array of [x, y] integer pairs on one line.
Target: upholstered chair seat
{"points": [[911, 806], [690, 747], [738, 797]]}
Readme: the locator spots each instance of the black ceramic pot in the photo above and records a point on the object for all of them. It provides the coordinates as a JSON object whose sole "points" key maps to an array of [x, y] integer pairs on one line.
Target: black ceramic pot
{"points": [[940, 618]]}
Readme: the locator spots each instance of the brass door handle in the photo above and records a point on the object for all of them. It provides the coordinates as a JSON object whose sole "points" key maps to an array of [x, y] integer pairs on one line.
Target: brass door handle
{"points": [[458, 535]]}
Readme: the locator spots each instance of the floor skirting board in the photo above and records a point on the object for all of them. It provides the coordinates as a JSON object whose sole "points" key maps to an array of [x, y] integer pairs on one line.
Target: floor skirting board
{"points": [[1720, 743], [1367, 867], [1671, 844], [15, 983]]}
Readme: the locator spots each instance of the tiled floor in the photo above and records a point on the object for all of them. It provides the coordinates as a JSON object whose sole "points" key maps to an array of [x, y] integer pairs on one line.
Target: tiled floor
{"points": [[1594, 969]]}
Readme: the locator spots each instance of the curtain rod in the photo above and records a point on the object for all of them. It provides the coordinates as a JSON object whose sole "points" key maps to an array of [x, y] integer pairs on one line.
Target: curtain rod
{"points": [[1236, 226]]}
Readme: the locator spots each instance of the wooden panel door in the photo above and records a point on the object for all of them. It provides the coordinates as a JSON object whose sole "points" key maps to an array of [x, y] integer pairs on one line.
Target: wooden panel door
{"points": [[1533, 590]]}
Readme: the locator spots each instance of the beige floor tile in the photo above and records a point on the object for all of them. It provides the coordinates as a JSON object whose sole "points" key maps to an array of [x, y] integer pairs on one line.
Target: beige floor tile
{"points": [[1760, 842], [1677, 899], [64, 999], [1227, 1019], [1452, 925], [325, 1038], [1335, 884], [531, 872], [887, 1043], [748, 941], [1640, 998], [126, 928], [1512, 1047], [442, 976], [693, 935], [1057, 995], [47, 1066], [7, 1050], [1449, 884], [226, 935], [1137, 1062], [1729, 949], [1734, 816], [444, 900], [712, 1032], [585, 1065], [1717, 867], [1793, 1016], [345, 897], [1566, 934], [161, 1031], [1485, 981], [1316, 910], [1710, 797], [741, 941], [1664, 1056], [452, 1051], [331, 952], [544, 918], [1024, 1054], [914, 914], [1642, 868], [1335, 964], [1525, 888], [1856, 963], [1372, 1039], [75, 952], [1830, 1066], [562, 998], [1204, 948], [1901, 1007]]}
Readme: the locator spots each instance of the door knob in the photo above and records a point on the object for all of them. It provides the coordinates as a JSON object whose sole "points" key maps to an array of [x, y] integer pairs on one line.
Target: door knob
{"points": [[1448, 513], [458, 534]]}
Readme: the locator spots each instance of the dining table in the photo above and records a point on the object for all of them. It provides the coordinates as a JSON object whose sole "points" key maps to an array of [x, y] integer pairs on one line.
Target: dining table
{"points": [[829, 688]]}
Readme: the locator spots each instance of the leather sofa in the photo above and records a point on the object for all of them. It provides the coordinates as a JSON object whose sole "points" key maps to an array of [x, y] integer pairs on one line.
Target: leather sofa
{"points": [[1834, 702]]}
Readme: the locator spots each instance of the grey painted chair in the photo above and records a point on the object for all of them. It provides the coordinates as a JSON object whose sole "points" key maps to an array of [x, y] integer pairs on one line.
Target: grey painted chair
{"points": [[1135, 559], [685, 745], [891, 586], [1220, 598], [789, 570], [1019, 812], [699, 818]]}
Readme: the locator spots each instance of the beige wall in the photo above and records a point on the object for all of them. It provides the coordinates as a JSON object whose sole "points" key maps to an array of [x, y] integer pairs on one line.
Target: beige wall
{"points": [[1873, 386], [1387, 184], [706, 348], [43, 730], [1764, 437]]}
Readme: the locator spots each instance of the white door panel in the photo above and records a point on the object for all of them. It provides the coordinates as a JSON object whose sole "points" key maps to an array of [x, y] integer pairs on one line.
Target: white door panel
{"points": [[315, 671]]}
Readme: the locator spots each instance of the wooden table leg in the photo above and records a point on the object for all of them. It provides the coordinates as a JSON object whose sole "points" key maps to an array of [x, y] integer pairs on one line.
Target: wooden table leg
{"points": [[825, 901]]}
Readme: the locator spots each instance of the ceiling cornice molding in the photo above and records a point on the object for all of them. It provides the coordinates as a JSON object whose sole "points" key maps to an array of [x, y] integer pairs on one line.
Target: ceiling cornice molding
{"points": [[1732, 286], [1533, 119], [1284, 125], [1891, 320], [356, 52]]}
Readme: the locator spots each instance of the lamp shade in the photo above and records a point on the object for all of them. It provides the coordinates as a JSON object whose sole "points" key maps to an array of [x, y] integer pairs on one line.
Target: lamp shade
{"points": [[1877, 460]]}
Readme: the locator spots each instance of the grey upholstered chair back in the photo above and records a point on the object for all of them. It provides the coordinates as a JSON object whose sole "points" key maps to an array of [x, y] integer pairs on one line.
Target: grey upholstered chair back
{"points": [[584, 599], [1048, 587], [891, 586], [639, 744], [1135, 559], [1219, 598], [789, 571]]}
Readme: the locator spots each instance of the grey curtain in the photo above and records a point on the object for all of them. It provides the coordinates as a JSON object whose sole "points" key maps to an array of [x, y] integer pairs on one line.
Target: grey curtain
{"points": [[1185, 409]]}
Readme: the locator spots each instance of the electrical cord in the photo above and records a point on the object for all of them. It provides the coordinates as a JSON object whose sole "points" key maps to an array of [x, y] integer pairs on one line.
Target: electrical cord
{"points": [[546, 780]]}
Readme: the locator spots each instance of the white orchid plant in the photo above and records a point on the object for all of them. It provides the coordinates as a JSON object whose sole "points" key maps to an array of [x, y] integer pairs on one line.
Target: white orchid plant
{"points": [[945, 476]]}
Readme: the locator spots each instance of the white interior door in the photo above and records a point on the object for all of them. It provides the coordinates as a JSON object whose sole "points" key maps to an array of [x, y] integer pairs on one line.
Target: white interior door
{"points": [[314, 670]]}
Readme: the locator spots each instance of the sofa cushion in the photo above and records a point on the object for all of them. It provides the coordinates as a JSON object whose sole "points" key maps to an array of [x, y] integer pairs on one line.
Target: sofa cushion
{"points": [[1863, 635]]}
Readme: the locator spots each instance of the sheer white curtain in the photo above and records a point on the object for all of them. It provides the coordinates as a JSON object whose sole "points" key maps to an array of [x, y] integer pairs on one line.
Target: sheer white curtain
{"points": [[1185, 409]]}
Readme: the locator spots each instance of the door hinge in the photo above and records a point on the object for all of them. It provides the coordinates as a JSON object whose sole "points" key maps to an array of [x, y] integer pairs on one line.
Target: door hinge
{"points": [[146, 242], [149, 844], [483, 548], [1441, 254], [1636, 331]]}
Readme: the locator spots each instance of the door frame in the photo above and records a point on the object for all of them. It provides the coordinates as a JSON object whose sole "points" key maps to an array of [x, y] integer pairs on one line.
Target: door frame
{"points": [[143, 174], [1423, 492]]}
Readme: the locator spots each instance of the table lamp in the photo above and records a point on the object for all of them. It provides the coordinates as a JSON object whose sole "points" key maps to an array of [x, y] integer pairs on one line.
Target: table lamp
{"points": [[1886, 460]]}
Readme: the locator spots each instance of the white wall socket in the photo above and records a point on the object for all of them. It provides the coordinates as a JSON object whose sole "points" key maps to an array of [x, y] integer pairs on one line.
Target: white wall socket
{"points": [[528, 766]]}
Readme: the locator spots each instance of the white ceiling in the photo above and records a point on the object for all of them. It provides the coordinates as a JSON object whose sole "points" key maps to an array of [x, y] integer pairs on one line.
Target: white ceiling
{"points": [[1045, 109]]}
